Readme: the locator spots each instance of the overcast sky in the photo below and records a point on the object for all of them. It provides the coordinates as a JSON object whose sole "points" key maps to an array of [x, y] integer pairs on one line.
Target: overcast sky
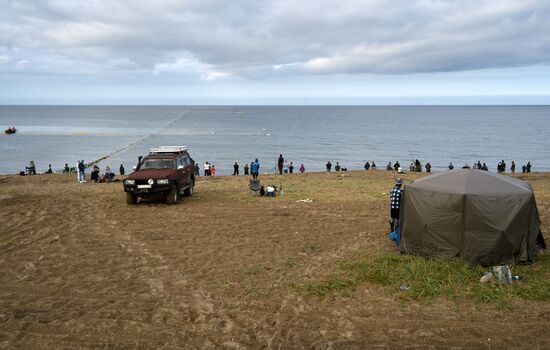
{"points": [[274, 52]]}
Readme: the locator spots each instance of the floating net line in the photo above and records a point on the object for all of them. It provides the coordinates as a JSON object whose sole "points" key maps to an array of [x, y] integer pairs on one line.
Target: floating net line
{"points": [[136, 142]]}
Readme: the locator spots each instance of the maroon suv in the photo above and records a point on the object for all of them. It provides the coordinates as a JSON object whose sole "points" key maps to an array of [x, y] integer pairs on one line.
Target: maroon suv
{"points": [[168, 171]]}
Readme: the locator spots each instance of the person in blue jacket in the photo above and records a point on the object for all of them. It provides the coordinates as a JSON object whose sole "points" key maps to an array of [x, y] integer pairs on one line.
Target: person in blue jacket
{"points": [[255, 168]]}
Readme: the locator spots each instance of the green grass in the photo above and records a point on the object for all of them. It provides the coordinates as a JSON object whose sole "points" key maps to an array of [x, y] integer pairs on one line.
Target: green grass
{"points": [[425, 279]]}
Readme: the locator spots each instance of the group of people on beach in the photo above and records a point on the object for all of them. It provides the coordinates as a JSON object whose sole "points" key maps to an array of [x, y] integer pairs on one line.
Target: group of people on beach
{"points": [[95, 176], [283, 167], [337, 167], [209, 169]]}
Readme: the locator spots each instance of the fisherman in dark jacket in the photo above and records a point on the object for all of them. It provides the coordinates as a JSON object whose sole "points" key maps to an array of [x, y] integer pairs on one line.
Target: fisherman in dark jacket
{"points": [[280, 163], [81, 171]]}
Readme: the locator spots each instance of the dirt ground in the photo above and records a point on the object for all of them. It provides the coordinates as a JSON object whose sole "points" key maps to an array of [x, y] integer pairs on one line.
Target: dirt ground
{"points": [[81, 269]]}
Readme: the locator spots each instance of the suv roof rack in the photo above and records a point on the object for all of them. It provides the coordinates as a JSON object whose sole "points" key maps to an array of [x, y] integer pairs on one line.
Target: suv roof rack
{"points": [[168, 149]]}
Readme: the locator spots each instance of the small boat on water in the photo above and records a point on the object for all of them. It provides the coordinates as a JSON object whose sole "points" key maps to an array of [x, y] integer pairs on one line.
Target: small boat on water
{"points": [[10, 130]]}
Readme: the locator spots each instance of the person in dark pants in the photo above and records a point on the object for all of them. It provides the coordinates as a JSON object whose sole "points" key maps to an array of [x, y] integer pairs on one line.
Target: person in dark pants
{"points": [[236, 169], [329, 165], [396, 194], [246, 169], [121, 169], [428, 167], [528, 167], [280, 163]]}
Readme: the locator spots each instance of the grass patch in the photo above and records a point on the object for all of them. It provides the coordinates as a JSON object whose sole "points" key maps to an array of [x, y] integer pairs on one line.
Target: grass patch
{"points": [[416, 278], [290, 262]]}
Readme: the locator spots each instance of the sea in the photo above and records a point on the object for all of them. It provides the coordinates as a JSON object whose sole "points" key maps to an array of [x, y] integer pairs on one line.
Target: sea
{"points": [[309, 135]]}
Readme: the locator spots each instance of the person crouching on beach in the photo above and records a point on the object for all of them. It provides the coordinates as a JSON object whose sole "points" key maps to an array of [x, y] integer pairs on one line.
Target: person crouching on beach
{"points": [[95, 174]]}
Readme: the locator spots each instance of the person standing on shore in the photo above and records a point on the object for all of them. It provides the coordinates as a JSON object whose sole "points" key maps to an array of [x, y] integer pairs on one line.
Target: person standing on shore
{"points": [[212, 170], [302, 168], [236, 169], [451, 166], [428, 167], [49, 171], [396, 194], [121, 169], [337, 167], [513, 167], [280, 163], [367, 166], [206, 169], [291, 168], [246, 169], [528, 167], [329, 165], [81, 171], [66, 168], [77, 170], [285, 167], [255, 168]]}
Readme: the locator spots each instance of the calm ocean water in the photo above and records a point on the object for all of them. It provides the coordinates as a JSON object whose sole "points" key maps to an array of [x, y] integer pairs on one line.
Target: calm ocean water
{"points": [[310, 135]]}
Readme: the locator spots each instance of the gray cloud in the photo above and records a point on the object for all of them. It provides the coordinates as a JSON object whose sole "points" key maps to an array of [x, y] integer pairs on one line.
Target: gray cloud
{"points": [[218, 39]]}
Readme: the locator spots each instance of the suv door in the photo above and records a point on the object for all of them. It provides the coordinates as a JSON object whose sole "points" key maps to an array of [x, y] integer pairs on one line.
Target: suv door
{"points": [[181, 170], [190, 169]]}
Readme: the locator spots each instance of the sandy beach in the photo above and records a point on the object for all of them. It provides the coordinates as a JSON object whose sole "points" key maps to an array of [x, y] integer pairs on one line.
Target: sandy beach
{"points": [[81, 269]]}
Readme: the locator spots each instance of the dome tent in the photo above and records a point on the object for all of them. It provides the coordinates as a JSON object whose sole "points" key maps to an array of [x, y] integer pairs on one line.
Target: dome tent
{"points": [[481, 217]]}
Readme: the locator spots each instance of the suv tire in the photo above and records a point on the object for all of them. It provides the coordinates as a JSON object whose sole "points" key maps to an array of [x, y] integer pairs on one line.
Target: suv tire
{"points": [[131, 198], [189, 191], [173, 196]]}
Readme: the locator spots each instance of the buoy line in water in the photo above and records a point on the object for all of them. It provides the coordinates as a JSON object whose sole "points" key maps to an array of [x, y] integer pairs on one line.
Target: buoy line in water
{"points": [[136, 142]]}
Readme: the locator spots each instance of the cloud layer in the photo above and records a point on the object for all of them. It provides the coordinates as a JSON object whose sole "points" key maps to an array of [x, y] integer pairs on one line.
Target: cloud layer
{"points": [[217, 39]]}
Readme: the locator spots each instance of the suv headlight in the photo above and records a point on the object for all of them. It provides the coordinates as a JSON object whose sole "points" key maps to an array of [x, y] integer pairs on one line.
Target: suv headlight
{"points": [[129, 182], [163, 182]]}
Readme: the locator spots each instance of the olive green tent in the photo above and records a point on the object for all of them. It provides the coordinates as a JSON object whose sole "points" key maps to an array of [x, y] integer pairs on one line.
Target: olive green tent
{"points": [[481, 217]]}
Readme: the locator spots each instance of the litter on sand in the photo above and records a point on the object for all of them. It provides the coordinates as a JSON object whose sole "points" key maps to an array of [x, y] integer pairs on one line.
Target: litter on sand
{"points": [[487, 277], [307, 200]]}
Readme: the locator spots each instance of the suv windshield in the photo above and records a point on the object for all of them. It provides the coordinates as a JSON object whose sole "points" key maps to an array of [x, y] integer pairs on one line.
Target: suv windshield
{"points": [[158, 163]]}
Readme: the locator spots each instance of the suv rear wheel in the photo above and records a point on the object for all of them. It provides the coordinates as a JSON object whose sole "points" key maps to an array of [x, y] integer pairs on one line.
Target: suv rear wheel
{"points": [[189, 191], [131, 198], [173, 196]]}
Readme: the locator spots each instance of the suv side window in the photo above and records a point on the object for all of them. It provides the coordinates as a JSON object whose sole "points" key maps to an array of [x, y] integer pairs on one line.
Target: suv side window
{"points": [[187, 159]]}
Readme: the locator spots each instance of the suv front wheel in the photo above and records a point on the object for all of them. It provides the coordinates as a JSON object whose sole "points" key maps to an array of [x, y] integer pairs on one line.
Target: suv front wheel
{"points": [[131, 198], [173, 196]]}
